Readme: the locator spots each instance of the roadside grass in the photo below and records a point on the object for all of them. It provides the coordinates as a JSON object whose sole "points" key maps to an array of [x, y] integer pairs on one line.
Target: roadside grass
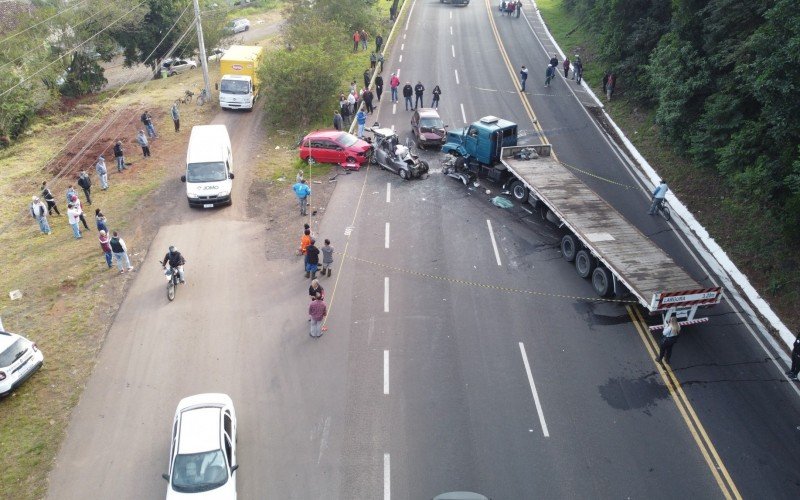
{"points": [[69, 295], [746, 232]]}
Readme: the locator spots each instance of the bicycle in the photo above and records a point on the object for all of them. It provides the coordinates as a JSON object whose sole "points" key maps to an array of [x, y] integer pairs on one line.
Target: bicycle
{"points": [[202, 98], [187, 97], [664, 211]]}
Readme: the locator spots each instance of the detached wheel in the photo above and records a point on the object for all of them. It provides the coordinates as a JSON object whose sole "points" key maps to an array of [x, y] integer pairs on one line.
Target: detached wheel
{"points": [[584, 263], [404, 174], [601, 281], [569, 247], [519, 191]]}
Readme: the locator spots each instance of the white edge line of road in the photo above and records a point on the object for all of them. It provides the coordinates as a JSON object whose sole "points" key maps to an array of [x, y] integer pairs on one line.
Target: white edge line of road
{"points": [[386, 371], [715, 256], [494, 242], [386, 294], [533, 390]]}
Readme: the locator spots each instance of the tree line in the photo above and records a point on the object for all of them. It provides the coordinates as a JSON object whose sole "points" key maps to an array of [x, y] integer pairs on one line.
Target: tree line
{"points": [[722, 77]]}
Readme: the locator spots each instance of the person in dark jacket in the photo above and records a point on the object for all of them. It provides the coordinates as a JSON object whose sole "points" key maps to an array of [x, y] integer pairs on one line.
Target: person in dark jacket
{"points": [[436, 93], [795, 369], [554, 61], [86, 184], [176, 262], [367, 96], [119, 155], [312, 260], [315, 288], [408, 91], [367, 77], [49, 199], [418, 90], [378, 43], [379, 87], [337, 120]]}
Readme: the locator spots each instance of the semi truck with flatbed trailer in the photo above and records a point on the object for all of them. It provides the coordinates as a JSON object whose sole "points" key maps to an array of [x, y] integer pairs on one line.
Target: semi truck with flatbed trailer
{"points": [[603, 246]]}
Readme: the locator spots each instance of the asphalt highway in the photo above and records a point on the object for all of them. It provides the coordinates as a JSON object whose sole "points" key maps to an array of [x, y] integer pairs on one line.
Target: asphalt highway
{"points": [[462, 352]]}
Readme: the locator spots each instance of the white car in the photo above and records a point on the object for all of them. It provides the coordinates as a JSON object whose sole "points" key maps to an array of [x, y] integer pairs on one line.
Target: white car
{"points": [[19, 359], [176, 66], [215, 54], [202, 458], [239, 25]]}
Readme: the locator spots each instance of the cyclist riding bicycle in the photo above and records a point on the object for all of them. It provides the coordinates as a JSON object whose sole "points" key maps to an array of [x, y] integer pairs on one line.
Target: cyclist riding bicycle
{"points": [[658, 197], [176, 261]]}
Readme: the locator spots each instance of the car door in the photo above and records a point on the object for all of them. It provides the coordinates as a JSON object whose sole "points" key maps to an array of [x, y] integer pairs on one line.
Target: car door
{"points": [[332, 151]]}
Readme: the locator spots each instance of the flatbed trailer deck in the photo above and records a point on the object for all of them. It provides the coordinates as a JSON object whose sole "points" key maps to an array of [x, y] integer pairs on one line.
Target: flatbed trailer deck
{"points": [[632, 259]]}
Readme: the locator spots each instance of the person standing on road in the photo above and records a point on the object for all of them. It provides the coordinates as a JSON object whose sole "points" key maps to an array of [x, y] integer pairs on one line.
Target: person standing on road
{"points": [[565, 65], [147, 120], [102, 236], [577, 71], [378, 43], [795, 369], [361, 120], [176, 116], [356, 40], [102, 172], [367, 96], [316, 289], [327, 258], [119, 156], [337, 120], [317, 310], [379, 87], [380, 62], [73, 216], [408, 91], [523, 77], [100, 220], [312, 260], [436, 93], [549, 74], [142, 140], [394, 82], [302, 191], [419, 89], [120, 251], [518, 10], [305, 240], [659, 193], [554, 61], [49, 199], [668, 339], [39, 212], [86, 185]]}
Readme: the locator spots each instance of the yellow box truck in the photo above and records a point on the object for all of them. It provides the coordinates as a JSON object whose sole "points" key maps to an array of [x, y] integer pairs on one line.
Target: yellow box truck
{"points": [[238, 86]]}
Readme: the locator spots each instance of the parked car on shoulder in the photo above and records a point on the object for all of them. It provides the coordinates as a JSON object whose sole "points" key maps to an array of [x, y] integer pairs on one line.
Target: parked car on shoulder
{"points": [[334, 146], [238, 25], [19, 359], [177, 66], [202, 456], [215, 54], [428, 128]]}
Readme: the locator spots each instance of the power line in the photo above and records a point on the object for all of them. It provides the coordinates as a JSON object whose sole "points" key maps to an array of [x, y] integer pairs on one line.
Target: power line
{"points": [[73, 49], [79, 4]]}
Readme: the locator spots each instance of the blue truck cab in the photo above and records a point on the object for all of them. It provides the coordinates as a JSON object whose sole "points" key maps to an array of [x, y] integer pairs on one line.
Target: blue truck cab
{"points": [[482, 141]]}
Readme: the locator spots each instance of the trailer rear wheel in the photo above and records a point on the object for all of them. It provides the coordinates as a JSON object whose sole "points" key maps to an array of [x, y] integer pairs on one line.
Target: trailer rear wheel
{"points": [[569, 247], [584, 263], [601, 281], [519, 191]]}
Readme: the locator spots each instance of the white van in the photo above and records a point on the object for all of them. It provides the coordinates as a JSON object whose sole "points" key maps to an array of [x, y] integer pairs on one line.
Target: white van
{"points": [[209, 167]]}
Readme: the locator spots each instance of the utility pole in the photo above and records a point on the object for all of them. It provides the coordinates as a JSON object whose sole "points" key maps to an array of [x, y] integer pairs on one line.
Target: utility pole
{"points": [[202, 46]]}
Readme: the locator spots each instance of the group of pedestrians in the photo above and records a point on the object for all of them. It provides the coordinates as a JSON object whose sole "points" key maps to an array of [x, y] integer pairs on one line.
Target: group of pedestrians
{"points": [[417, 92], [552, 69], [510, 8], [317, 310]]}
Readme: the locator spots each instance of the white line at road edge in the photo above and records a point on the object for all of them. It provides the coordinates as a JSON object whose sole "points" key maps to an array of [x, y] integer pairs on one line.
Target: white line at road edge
{"points": [[388, 192], [463, 115], [457, 82], [386, 237], [494, 243], [533, 390], [408, 19], [386, 294], [386, 372], [387, 478]]}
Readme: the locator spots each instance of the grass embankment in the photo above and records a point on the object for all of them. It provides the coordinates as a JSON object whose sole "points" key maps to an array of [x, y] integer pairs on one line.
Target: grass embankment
{"points": [[745, 231], [69, 295]]}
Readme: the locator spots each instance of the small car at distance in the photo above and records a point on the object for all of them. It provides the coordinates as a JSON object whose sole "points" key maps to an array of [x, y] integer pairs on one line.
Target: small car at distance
{"points": [[335, 146], [19, 359], [202, 457], [215, 54], [239, 25], [177, 66], [428, 128]]}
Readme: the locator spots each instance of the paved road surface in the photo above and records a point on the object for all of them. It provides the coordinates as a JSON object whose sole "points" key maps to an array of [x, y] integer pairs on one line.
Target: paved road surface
{"points": [[423, 382]]}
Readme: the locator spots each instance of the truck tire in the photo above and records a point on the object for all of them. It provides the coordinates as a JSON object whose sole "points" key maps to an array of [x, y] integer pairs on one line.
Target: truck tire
{"points": [[601, 281], [584, 263], [519, 191], [569, 247]]}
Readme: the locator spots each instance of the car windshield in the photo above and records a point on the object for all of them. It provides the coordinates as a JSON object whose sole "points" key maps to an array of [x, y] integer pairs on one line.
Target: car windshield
{"points": [[196, 472], [13, 353], [346, 139], [206, 172], [431, 123], [235, 87]]}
